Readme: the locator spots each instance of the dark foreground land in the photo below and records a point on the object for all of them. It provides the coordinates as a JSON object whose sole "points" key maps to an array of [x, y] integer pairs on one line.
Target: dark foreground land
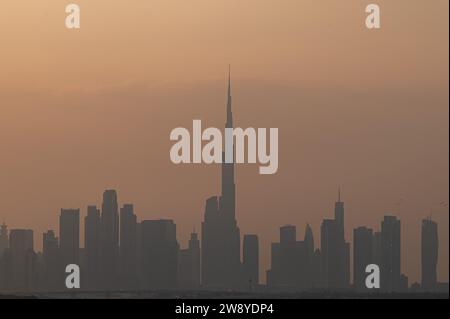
{"points": [[222, 295]]}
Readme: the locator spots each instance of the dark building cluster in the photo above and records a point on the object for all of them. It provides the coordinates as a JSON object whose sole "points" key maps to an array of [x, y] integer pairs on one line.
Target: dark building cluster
{"points": [[122, 253]]}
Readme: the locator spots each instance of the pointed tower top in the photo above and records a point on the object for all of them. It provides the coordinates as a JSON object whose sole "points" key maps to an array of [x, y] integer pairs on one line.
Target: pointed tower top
{"points": [[339, 194], [229, 80], [229, 123]]}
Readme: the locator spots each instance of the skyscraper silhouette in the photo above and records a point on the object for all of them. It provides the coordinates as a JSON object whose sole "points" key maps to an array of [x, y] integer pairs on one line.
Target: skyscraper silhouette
{"points": [[109, 248], [312, 260], [3, 239], [189, 265], [53, 271], [329, 247], [23, 260], [289, 262], [221, 265], [159, 254], [128, 247], [335, 251], [376, 249], [362, 255], [390, 254], [250, 262], [430, 250], [92, 241], [69, 236], [343, 262]]}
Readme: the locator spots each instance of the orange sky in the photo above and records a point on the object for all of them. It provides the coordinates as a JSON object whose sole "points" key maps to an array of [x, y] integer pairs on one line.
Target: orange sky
{"points": [[86, 110]]}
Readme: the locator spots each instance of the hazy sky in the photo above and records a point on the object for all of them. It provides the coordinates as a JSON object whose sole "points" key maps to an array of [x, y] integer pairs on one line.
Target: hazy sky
{"points": [[86, 110]]}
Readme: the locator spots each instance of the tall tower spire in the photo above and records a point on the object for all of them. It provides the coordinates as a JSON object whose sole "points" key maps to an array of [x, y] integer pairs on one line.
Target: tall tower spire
{"points": [[229, 123], [228, 186]]}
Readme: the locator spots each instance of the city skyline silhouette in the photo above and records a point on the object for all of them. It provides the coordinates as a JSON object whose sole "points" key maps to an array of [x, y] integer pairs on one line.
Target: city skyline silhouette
{"points": [[122, 252], [86, 110]]}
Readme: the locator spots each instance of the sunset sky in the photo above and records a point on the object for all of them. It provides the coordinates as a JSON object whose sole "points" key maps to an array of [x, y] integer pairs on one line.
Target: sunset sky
{"points": [[86, 110]]}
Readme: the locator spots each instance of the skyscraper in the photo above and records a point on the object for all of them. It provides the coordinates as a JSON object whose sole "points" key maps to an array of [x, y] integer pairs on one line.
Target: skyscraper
{"points": [[343, 254], [273, 274], [250, 262], [109, 247], [390, 254], [53, 272], [291, 258], [221, 265], [312, 265], [22, 260], [289, 262], [430, 250], [3, 238], [288, 234], [376, 249], [228, 199], [159, 254], [329, 247], [335, 251], [69, 236], [92, 236], [128, 247], [362, 255], [189, 265]]}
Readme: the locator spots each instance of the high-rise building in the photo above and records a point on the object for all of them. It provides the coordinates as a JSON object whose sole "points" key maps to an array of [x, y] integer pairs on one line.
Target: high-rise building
{"points": [[289, 262], [312, 261], [343, 254], [69, 236], [339, 214], [109, 243], [390, 254], [329, 248], [189, 264], [288, 234], [362, 255], [92, 229], [335, 250], [221, 264], [274, 273], [159, 254], [250, 262], [23, 276], [430, 250], [376, 249], [53, 273], [3, 238], [128, 247]]}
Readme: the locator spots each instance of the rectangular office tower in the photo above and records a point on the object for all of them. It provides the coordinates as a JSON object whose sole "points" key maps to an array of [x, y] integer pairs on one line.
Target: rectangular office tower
{"points": [[250, 261], [329, 247], [362, 255], [189, 265], [109, 240], [335, 251], [430, 248], [92, 228], [53, 272], [21, 261], [69, 236], [391, 279], [128, 247], [289, 262], [159, 254]]}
